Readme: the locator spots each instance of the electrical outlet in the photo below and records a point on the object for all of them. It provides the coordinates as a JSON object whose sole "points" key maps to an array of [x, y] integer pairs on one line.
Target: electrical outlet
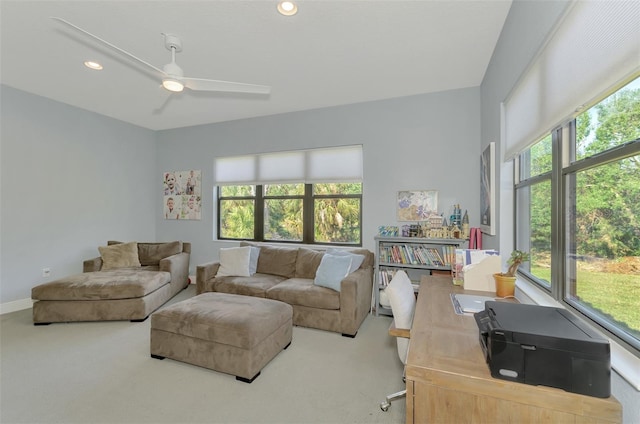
{"points": [[46, 272]]}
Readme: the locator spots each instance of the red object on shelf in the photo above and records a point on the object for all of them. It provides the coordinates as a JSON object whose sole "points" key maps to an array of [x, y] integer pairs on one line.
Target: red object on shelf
{"points": [[475, 238]]}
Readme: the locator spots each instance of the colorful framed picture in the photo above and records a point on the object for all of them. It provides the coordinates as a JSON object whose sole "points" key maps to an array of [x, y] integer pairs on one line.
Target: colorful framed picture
{"points": [[417, 205], [182, 194], [488, 190]]}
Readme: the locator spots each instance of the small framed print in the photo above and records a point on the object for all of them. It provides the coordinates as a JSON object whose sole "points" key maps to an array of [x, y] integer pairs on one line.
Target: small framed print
{"points": [[417, 205], [488, 190]]}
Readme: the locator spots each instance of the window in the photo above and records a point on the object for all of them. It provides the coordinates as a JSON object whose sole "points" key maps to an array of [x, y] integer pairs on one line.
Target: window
{"points": [[236, 209], [308, 196], [578, 212], [337, 213], [326, 213], [534, 209]]}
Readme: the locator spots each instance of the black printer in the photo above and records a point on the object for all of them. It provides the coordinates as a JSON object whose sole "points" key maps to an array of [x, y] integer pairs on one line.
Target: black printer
{"points": [[542, 345]]}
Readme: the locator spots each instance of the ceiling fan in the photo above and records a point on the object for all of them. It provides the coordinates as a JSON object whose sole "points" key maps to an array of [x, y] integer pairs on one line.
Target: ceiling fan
{"points": [[173, 78]]}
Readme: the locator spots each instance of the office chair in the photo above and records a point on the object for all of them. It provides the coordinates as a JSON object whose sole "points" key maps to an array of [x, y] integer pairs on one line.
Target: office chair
{"points": [[403, 305]]}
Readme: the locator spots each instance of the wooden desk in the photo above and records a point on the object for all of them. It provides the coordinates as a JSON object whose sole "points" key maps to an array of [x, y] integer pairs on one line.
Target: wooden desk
{"points": [[448, 380]]}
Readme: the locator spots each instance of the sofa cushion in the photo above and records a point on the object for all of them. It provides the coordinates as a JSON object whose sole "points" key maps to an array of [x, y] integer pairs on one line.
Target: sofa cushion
{"points": [[151, 253], [123, 283], [302, 292], [234, 261], [277, 261], [119, 256], [308, 262], [332, 270], [256, 285]]}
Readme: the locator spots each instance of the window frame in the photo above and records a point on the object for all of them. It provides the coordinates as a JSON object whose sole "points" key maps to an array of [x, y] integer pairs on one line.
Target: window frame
{"points": [[564, 169], [308, 219], [520, 229], [569, 172]]}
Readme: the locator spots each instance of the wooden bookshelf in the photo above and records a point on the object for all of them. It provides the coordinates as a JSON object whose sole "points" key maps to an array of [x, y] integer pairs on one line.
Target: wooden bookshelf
{"points": [[416, 256]]}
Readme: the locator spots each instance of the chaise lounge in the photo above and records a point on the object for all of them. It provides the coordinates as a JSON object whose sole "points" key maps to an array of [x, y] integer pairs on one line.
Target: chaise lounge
{"points": [[127, 282]]}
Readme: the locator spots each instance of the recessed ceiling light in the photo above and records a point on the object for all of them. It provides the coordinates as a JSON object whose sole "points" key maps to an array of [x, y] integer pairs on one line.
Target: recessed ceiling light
{"points": [[93, 65], [287, 8]]}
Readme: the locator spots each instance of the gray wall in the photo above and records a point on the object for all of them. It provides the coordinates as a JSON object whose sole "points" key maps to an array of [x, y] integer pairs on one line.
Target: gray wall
{"points": [[71, 180], [420, 142], [525, 30]]}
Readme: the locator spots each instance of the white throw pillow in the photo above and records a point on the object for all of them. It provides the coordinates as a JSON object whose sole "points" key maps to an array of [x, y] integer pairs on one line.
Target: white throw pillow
{"points": [[234, 261], [332, 270], [356, 259], [403, 305]]}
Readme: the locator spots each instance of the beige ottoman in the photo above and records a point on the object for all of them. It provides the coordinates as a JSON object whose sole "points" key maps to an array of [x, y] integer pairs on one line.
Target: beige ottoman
{"points": [[229, 333]]}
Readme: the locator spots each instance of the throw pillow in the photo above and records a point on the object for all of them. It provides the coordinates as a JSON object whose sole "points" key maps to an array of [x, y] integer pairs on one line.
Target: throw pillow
{"points": [[356, 260], [253, 259], [119, 255], [332, 271], [403, 305], [234, 261]]}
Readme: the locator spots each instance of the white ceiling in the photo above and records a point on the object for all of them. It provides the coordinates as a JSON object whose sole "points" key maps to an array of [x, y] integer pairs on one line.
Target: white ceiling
{"points": [[330, 53]]}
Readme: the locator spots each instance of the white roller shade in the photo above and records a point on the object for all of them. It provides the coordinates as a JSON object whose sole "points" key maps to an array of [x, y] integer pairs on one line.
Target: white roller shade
{"points": [[281, 167], [343, 164], [235, 170], [594, 48], [337, 164]]}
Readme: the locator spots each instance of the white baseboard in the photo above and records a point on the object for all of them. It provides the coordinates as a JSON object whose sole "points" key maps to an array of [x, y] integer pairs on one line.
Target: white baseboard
{"points": [[16, 305]]}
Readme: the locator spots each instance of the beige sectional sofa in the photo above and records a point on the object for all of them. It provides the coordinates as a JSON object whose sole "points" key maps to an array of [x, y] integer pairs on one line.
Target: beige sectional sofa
{"points": [[287, 274], [102, 293]]}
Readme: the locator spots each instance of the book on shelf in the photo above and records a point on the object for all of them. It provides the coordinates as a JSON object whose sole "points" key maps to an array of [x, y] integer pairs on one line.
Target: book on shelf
{"points": [[408, 254], [449, 253], [386, 275]]}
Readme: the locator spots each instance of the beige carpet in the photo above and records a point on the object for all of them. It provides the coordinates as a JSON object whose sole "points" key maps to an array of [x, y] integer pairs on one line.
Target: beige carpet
{"points": [[102, 373]]}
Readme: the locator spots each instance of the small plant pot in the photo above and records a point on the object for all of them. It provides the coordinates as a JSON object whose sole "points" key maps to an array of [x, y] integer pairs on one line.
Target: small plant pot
{"points": [[505, 285]]}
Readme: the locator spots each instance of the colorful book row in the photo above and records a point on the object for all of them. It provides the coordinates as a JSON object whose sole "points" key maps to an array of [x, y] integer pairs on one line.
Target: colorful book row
{"points": [[416, 255]]}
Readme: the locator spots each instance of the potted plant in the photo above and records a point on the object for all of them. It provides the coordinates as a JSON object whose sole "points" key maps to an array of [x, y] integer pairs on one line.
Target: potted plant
{"points": [[506, 281]]}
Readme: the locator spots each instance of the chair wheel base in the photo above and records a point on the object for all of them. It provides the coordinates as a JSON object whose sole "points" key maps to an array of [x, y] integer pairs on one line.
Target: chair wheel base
{"points": [[385, 406]]}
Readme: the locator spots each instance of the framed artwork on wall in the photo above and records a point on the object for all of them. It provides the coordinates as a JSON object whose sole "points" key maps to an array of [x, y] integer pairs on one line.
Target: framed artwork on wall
{"points": [[417, 205], [182, 194], [488, 190]]}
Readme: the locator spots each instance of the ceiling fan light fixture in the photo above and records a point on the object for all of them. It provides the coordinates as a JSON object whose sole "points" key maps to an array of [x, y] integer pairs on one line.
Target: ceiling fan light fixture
{"points": [[287, 8], [172, 84], [93, 65]]}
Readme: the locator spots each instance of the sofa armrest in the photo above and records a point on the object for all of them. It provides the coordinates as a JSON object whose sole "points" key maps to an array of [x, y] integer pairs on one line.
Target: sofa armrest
{"points": [[178, 266], [204, 274], [92, 265], [355, 299]]}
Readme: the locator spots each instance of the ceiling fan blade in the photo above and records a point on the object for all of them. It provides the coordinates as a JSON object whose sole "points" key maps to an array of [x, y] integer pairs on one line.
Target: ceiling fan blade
{"points": [[159, 110], [199, 84], [106, 43]]}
